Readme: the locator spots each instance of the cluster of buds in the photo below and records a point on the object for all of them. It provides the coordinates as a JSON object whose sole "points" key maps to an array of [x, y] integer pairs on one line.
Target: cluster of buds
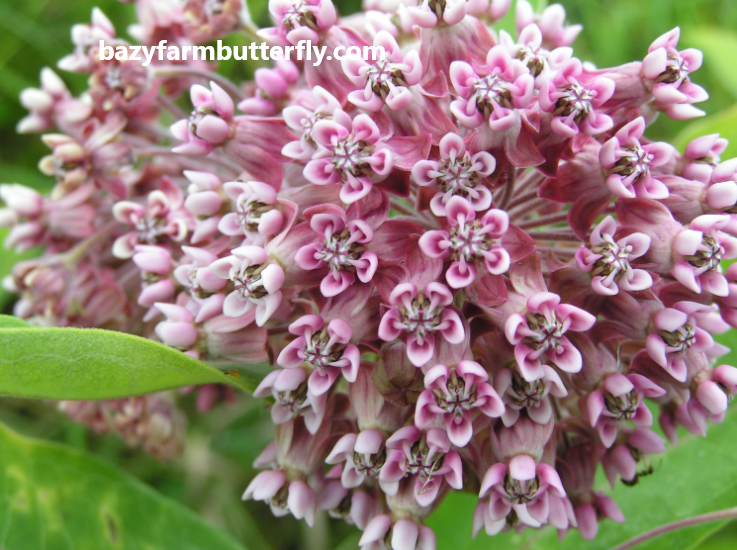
{"points": [[468, 266]]}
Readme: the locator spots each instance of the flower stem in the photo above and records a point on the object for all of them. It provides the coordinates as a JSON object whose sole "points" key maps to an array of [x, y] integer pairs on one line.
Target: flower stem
{"points": [[183, 71], [712, 516]]}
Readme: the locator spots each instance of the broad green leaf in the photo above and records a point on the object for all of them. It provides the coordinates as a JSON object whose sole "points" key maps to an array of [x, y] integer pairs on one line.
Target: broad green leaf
{"points": [[71, 363], [693, 477], [56, 498], [724, 123], [718, 46]]}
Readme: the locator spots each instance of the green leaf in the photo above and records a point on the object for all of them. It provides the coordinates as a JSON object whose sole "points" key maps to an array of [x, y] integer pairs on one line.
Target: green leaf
{"points": [[56, 498], [718, 46], [724, 123], [693, 477], [72, 363]]}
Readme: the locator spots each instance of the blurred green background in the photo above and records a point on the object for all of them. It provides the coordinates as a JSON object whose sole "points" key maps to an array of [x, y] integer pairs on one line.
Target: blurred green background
{"points": [[216, 467]]}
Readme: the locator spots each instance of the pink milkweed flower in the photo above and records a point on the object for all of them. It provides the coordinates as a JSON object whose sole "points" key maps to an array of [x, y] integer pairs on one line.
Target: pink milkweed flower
{"points": [[419, 314], [86, 39], [156, 265], [575, 107], [382, 533], [51, 106], [428, 14], [454, 395], [608, 260], [676, 336], [349, 152], [283, 496], [342, 252], [540, 334], [198, 280], [506, 86], [668, 71], [288, 387], [426, 456], [522, 485], [552, 23], [210, 123], [621, 398], [256, 216], [469, 242], [298, 20], [204, 197], [355, 507], [702, 156], [273, 86], [325, 347], [630, 163], [541, 62], [178, 331], [206, 20], [161, 219], [456, 173], [301, 118], [633, 445], [699, 251], [386, 80], [714, 392], [257, 282], [518, 394], [364, 455]]}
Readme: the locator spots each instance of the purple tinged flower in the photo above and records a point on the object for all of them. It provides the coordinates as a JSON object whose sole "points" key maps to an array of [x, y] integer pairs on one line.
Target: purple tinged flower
{"points": [[426, 457], [86, 39], [539, 335], [288, 388], [298, 20], [702, 156], [622, 459], [382, 533], [541, 62], [256, 215], [349, 152], [161, 219], [178, 331], [456, 173], [342, 252], [630, 163], [609, 260], [198, 280], [552, 24], [505, 86], [621, 398], [283, 496], [51, 106], [712, 395], [203, 20], [576, 106], [354, 507], [302, 117], [419, 314], [428, 13], [676, 336], [523, 486], [257, 282], [668, 71], [156, 265], [210, 123], [469, 242], [364, 455], [518, 394], [273, 87], [326, 348], [455, 395], [699, 251], [386, 80]]}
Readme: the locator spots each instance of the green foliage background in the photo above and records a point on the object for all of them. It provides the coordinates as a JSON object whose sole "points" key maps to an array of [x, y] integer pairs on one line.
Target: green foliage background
{"points": [[216, 468]]}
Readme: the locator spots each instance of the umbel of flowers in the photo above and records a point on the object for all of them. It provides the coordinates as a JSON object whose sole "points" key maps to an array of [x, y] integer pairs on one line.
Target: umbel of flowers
{"points": [[466, 262]]}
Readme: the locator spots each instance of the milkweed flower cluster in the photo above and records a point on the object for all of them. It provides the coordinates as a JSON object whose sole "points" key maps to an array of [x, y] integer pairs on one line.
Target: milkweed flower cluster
{"points": [[466, 262]]}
